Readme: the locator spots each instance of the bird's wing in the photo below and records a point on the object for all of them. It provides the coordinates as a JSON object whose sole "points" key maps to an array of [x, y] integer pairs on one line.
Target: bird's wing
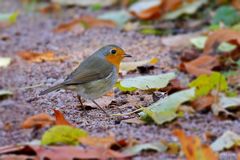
{"points": [[94, 68]]}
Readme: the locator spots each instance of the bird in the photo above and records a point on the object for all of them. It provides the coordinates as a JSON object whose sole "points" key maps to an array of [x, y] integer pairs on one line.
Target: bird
{"points": [[95, 76]]}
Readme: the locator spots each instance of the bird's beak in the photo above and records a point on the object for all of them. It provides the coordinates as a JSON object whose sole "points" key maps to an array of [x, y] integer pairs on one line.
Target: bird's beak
{"points": [[127, 55]]}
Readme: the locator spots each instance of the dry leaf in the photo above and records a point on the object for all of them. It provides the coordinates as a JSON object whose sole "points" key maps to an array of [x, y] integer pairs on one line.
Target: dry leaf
{"points": [[41, 57], [193, 149], [69, 152], [63, 152], [203, 102], [146, 9], [85, 22], [201, 65], [221, 35], [103, 142], [38, 121], [50, 8], [60, 120], [236, 4]]}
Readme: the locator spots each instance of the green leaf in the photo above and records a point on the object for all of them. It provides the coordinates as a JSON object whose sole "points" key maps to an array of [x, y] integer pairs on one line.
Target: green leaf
{"points": [[62, 134], [227, 15], [134, 150], [4, 61], [206, 83], [9, 17], [187, 8], [151, 31], [165, 109], [199, 43], [96, 7], [228, 140], [147, 82], [119, 17]]}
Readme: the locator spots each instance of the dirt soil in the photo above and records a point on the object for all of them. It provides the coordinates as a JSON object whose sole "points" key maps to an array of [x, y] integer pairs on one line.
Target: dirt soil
{"points": [[33, 31]]}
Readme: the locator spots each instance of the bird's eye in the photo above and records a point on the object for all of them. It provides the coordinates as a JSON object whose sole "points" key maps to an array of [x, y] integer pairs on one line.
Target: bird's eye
{"points": [[113, 51]]}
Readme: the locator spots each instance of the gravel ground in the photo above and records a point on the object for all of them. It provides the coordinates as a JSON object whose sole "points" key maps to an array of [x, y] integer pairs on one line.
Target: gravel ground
{"points": [[33, 31]]}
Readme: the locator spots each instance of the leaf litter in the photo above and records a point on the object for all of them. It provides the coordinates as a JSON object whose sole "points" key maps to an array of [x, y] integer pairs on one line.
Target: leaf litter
{"points": [[211, 93]]}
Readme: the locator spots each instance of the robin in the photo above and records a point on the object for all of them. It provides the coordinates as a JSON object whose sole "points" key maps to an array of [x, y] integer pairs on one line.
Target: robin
{"points": [[95, 76]]}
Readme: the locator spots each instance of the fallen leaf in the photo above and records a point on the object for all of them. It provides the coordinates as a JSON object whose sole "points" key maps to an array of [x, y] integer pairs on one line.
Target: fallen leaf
{"points": [[70, 152], [50, 8], [221, 35], [223, 103], [62, 134], [85, 22], [227, 140], [103, 142], [120, 17], [203, 102], [164, 110], [193, 149], [206, 83], [85, 3], [136, 149], [133, 121], [180, 41], [7, 19], [146, 82], [199, 43], [146, 9], [40, 57], [227, 15], [130, 66], [60, 120], [38, 121], [201, 65], [186, 8], [62, 152], [16, 148], [5, 61], [236, 4]]}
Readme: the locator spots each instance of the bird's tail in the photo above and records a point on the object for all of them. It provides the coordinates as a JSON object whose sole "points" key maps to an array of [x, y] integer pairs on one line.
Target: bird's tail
{"points": [[58, 86]]}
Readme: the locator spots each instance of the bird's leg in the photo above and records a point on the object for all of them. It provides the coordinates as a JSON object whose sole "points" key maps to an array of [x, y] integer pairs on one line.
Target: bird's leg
{"points": [[80, 100], [100, 108], [81, 103]]}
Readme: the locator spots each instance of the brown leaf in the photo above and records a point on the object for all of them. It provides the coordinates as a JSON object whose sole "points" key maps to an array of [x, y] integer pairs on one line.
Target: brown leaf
{"points": [[146, 9], [50, 8], [221, 35], [154, 9], [38, 121], [70, 152], [201, 65], [234, 80], [85, 22], [171, 5], [104, 142], [63, 152], [236, 4], [60, 120], [40, 57], [192, 147], [203, 102]]}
